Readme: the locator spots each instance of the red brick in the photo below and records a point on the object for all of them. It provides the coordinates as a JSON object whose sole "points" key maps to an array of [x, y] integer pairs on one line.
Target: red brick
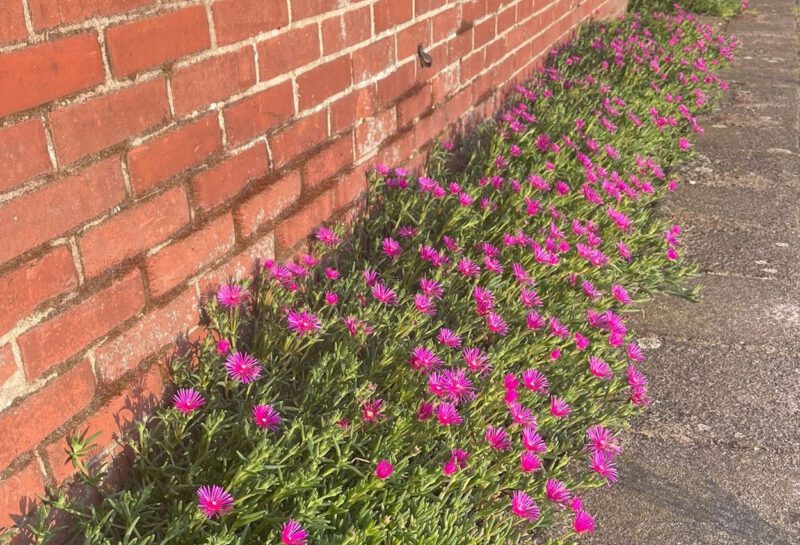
{"points": [[12, 21], [302, 9], [414, 105], [19, 492], [428, 127], [158, 328], [254, 115], [459, 46], [472, 64], [165, 156], [409, 39], [373, 58], [323, 81], [445, 23], [243, 264], [115, 420], [23, 153], [7, 364], [67, 333], [136, 46], [40, 73], [50, 13], [299, 225], [327, 162], [445, 83], [25, 287], [349, 188], [196, 86], [472, 10], [69, 202], [288, 51], [81, 129], [298, 137], [236, 20], [357, 105], [483, 32], [390, 13], [52, 406], [343, 31], [506, 19], [401, 148], [180, 260], [152, 222], [221, 182], [375, 130], [267, 205], [424, 6], [397, 82]]}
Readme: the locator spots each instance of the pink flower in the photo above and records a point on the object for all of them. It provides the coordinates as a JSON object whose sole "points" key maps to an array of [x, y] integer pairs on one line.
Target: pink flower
{"points": [[510, 381], [392, 248], [447, 414], [496, 324], [187, 400], [303, 322], [602, 440], [424, 305], [468, 268], [266, 417], [448, 338], [484, 300], [599, 368], [603, 464], [590, 290], [559, 407], [521, 414], [457, 386], [214, 501], [530, 298], [557, 492], [331, 297], [371, 410], [383, 294], [223, 345], [535, 381], [431, 288], [635, 377], [634, 352], [529, 462], [476, 360], [523, 506], [384, 469], [424, 360], [332, 274], [672, 254], [231, 295], [293, 533], [534, 321], [243, 367], [620, 294], [328, 237], [532, 441], [583, 523], [497, 438], [425, 410], [581, 342], [684, 144]]}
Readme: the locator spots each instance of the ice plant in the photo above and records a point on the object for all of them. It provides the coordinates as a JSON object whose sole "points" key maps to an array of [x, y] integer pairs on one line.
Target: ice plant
{"points": [[266, 417], [523, 506], [384, 469], [303, 322], [243, 367], [214, 501], [583, 523], [187, 400], [293, 534], [231, 295]]}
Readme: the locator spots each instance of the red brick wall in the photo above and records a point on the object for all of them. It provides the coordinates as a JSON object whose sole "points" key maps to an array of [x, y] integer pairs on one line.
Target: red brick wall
{"points": [[149, 148]]}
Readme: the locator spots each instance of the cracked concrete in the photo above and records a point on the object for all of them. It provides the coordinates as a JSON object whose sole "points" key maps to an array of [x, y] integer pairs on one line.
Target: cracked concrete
{"points": [[716, 461]]}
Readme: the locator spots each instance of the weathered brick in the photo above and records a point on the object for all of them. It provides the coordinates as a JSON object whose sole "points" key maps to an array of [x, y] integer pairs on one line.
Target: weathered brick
{"points": [[51, 13], [256, 114], [345, 30], [19, 493], [180, 260], [423, 6], [287, 51], [268, 204], [397, 82], [413, 105], [299, 225], [23, 153], [12, 23], [390, 13], [236, 20], [25, 287], [328, 161], [410, 38], [134, 230], [483, 33], [147, 43], [165, 156], [155, 330], [53, 405], [69, 331], [101, 122], [360, 103], [323, 81], [298, 137], [196, 86], [375, 130], [506, 19], [40, 73], [373, 58], [445, 23], [350, 187], [302, 9], [7, 364], [221, 182], [69, 202], [445, 83], [243, 264]]}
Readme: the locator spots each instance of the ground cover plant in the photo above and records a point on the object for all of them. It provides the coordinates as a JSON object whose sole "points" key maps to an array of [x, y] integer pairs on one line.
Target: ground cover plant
{"points": [[719, 8], [456, 369]]}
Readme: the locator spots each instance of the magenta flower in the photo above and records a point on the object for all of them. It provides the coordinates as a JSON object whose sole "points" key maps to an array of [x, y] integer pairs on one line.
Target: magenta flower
{"points": [[635, 377], [327, 237], [602, 440], [383, 294], [231, 295], [510, 381], [530, 298], [521, 415], [392, 248], [187, 400], [293, 533], [529, 462], [599, 368], [424, 360], [523, 506], [532, 441], [447, 414], [266, 417], [583, 523], [684, 144], [332, 274], [424, 305], [603, 464], [457, 461], [620, 294], [448, 338], [331, 297], [431, 288], [303, 322], [223, 345], [534, 321], [535, 381], [496, 324], [457, 387], [634, 352], [425, 410], [581, 342], [214, 501], [556, 491], [242, 367], [497, 438], [559, 408], [371, 411], [476, 360], [468, 268], [384, 469]]}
